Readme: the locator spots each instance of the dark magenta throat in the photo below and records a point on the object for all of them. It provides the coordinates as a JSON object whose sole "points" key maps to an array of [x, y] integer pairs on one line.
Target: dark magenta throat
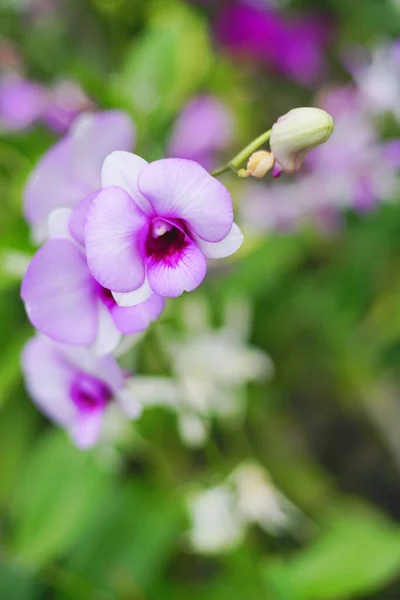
{"points": [[89, 393]]}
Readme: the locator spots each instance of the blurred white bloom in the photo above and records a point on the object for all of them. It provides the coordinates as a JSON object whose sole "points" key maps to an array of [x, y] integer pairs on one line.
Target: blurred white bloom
{"points": [[211, 368], [220, 516], [378, 77], [215, 523], [258, 501]]}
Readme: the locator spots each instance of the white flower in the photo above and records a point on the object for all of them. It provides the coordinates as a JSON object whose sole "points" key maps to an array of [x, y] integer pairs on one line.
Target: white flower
{"points": [[378, 78], [258, 501], [215, 524], [211, 368]]}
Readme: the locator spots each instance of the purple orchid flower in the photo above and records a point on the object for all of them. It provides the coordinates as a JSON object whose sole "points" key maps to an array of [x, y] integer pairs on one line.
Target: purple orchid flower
{"points": [[292, 47], [70, 170], [65, 101], [377, 76], [66, 303], [203, 130], [74, 388], [364, 175], [21, 103], [24, 103], [153, 225]]}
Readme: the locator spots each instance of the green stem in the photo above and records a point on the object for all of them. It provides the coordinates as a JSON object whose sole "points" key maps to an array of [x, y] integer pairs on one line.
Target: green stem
{"points": [[244, 154]]}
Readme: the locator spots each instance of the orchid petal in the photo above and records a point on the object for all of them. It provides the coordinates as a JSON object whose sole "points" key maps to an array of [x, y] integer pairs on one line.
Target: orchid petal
{"points": [[182, 189], [170, 278], [114, 232]]}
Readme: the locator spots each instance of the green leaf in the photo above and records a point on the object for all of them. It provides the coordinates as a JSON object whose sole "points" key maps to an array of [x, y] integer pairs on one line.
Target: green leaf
{"points": [[17, 583], [357, 553], [58, 489], [165, 66], [130, 539]]}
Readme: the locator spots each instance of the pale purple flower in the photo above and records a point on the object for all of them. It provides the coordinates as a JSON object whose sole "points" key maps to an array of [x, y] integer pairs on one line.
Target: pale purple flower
{"points": [[153, 225], [66, 303], [203, 130], [74, 388], [294, 47], [352, 169], [24, 103], [65, 101], [21, 103], [377, 76], [70, 170]]}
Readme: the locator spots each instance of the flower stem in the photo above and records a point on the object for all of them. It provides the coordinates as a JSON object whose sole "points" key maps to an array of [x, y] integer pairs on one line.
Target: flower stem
{"points": [[244, 154]]}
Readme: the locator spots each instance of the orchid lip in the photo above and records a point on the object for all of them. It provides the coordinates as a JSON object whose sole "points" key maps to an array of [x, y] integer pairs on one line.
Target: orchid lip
{"points": [[89, 393], [165, 238]]}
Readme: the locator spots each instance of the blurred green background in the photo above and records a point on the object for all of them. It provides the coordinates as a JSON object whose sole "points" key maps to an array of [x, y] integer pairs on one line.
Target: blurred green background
{"points": [[113, 523]]}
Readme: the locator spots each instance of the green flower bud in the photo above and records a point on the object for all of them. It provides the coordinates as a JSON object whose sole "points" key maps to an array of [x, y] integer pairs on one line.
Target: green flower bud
{"points": [[297, 132]]}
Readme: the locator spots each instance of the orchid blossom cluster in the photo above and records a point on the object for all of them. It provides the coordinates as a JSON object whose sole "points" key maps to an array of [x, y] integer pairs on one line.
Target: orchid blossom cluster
{"points": [[119, 236]]}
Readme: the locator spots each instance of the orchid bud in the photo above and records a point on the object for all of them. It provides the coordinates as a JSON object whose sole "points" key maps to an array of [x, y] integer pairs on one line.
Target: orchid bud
{"points": [[297, 132], [258, 165]]}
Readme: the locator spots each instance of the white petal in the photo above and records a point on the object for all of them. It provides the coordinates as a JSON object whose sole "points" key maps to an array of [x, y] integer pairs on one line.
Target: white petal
{"points": [[193, 429], [230, 244], [133, 298], [108, 336], [128, 402], [121, 169], [154, 391], [58, 224]]}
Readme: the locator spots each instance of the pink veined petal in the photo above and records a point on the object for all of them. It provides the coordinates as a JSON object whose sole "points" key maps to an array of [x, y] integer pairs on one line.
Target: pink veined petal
{"points": [[108, 335], [86, 429], [137, 318], [171, 276], [229, 245], [133, 298], [121, 169], [48, 379], [59, 294], [182, 189], [78, 218], [58, 224], [94, 137], [114, 231]]}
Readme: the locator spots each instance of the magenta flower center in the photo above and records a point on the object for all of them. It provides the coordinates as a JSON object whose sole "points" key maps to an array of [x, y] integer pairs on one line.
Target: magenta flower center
{"points": [[89, 393], [107, 297], [164, 239]]}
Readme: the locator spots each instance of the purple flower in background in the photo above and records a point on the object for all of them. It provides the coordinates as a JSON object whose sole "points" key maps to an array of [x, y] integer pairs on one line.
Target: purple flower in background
{"points": [[71, 169], [74, 388], [65, 101], [24, 103], [21, 103], [293, 47], [153, 225], [377, 76], [66, 303], [203, 129], [353, 169]]}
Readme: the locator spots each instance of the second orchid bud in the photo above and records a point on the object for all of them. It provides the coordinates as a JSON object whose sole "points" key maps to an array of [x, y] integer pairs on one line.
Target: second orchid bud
{"points": [[258, 165]]}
